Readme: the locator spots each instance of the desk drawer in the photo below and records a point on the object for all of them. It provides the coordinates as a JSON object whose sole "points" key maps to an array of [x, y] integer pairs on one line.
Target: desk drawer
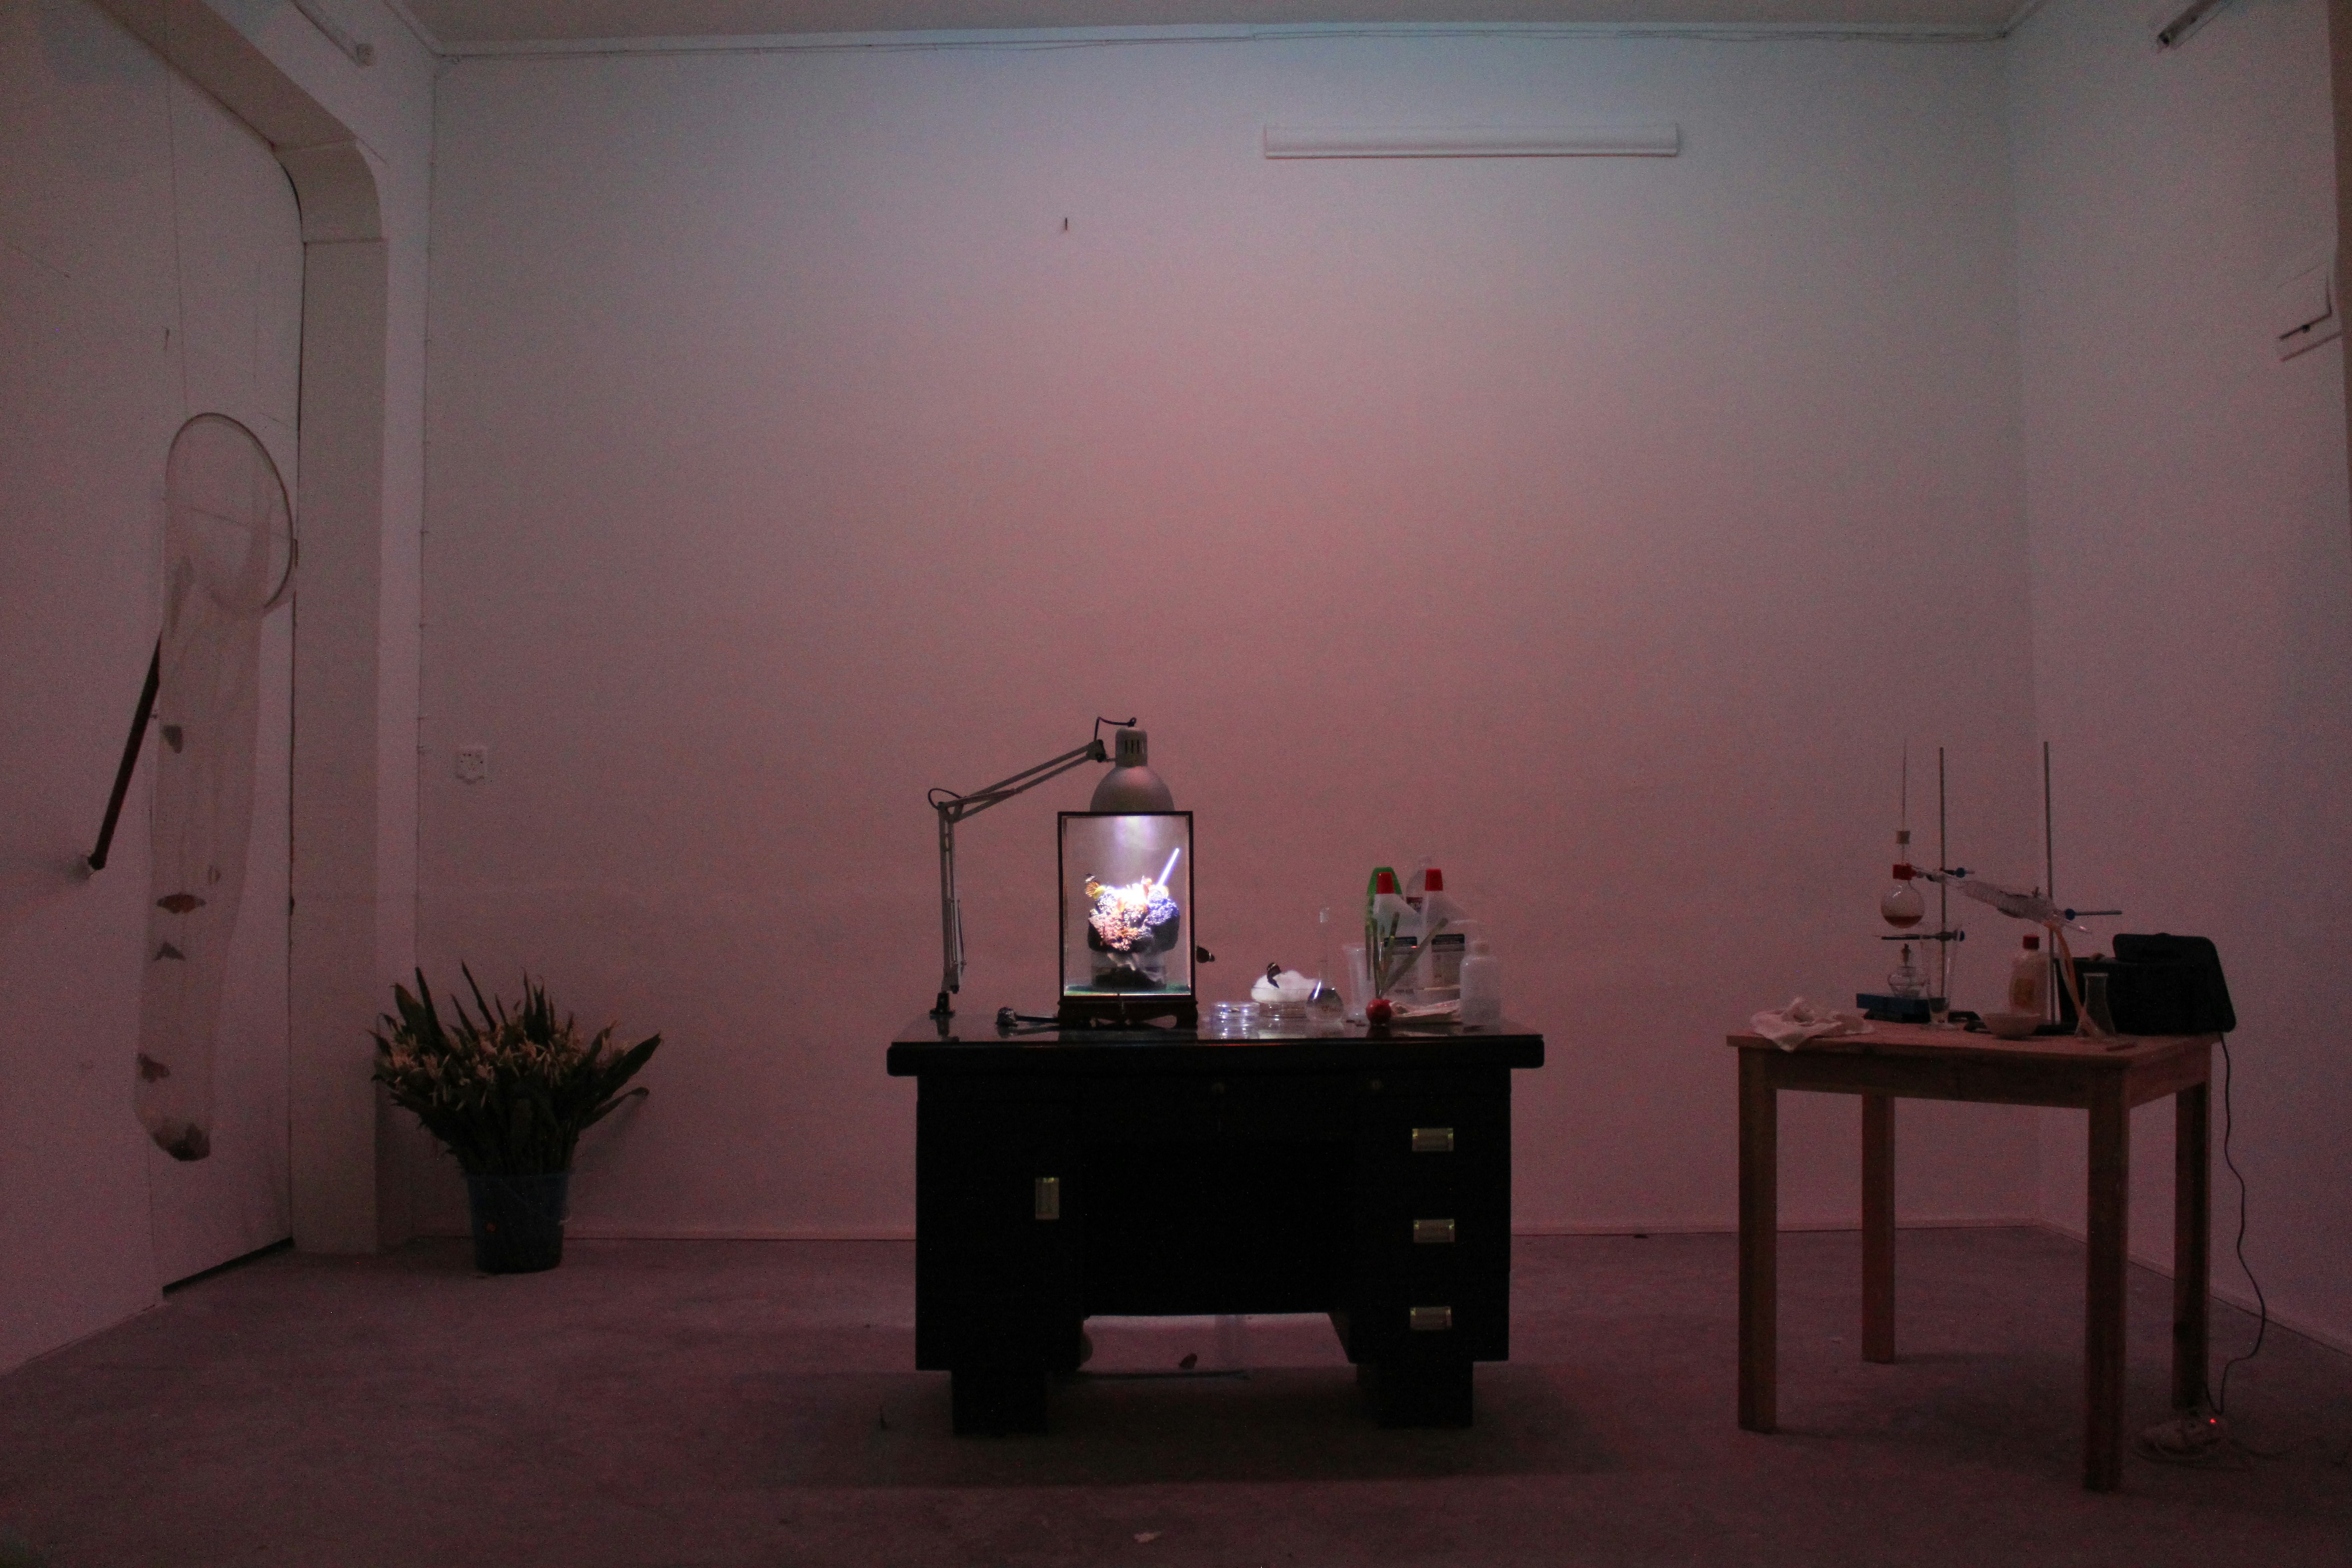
{"points": [[1436, 1320], [1254, 1107], [1419, 1149], [1431, 1149]]}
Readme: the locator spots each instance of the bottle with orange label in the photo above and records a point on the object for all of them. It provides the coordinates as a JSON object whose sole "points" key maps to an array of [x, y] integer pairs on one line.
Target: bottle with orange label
{"points": [[2029, 980]]}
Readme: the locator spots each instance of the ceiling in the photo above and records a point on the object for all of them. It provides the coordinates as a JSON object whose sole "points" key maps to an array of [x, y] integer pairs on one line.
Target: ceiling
{"points": [[515, 23]]}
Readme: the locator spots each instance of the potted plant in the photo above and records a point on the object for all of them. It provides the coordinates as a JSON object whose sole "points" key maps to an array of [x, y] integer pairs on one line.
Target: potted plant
{"points": [[509, 1095]]}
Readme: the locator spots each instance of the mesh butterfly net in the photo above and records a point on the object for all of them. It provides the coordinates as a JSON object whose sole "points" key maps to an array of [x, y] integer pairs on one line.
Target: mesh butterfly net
{"points": [[228, 558]]}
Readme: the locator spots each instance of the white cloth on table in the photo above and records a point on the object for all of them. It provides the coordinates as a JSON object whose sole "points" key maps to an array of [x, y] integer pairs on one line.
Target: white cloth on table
{"points": [[1801, 1020]]}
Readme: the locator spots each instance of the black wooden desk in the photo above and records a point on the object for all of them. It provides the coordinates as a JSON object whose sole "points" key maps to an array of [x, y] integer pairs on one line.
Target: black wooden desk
{"points": [[1061, 1176]]}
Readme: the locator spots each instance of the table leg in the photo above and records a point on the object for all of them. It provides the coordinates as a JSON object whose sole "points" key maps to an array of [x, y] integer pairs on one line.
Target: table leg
{"points": [[2192, 1233], [2102, 1328], [1878, 1227], [1760, 1224]]}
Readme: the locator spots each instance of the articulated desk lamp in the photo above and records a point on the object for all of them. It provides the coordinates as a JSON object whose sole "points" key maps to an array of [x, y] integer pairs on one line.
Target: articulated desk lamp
{"points": [[1125, 876]]}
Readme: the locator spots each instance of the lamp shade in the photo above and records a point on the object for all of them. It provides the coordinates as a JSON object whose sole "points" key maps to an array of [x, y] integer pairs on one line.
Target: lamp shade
{"points": [[1131, 785]]}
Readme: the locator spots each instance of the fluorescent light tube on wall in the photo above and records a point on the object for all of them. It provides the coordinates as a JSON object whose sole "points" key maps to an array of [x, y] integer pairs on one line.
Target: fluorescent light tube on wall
{"points": [[1472, 141]]}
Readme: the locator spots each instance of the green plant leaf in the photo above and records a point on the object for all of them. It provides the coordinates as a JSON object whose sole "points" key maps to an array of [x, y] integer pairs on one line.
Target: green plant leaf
{"points": [[508, 1092]]}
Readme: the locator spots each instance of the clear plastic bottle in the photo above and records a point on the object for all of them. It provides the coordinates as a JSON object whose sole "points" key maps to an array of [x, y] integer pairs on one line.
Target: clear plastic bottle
{"points": [[2029, 980], [1482, 987], [1900, 905]]}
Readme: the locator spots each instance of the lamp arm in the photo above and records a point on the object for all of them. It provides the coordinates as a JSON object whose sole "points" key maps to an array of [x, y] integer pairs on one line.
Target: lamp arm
{"points": [[979, 800], [952, 809]]}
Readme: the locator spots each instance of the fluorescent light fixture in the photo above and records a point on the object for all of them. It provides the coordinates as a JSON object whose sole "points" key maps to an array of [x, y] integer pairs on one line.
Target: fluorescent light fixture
{"points": [[1472, 141]]}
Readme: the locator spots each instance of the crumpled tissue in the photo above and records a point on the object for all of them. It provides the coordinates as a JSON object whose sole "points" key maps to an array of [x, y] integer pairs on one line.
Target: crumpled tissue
{"points": [[1287, 986], [1801, 1021]]}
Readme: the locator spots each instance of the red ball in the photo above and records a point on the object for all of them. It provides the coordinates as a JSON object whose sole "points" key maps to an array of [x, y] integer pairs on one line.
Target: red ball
{"points": [[1378, 1011]]}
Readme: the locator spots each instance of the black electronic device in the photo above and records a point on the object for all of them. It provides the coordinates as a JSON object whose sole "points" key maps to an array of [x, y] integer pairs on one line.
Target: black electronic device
{"points": [[2160, 984]]}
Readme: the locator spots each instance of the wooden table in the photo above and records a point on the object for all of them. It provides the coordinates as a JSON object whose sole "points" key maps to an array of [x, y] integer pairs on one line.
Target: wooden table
{"points": [[1066, 1173], [1899, 1061]]}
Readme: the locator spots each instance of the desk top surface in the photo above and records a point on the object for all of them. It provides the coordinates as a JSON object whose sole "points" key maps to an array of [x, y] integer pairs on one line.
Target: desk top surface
{"points": [[1919, 1040], [972, 1043]]}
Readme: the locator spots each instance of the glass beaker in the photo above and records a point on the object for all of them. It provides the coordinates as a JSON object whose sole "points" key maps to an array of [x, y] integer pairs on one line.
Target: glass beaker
{"points": [[2098, 1023], [1326, 1001], [1358, 989]]}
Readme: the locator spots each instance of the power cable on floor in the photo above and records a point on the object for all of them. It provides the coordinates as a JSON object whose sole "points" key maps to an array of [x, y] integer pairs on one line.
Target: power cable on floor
{"points": [[2203, 1437], [2261, 1303]]}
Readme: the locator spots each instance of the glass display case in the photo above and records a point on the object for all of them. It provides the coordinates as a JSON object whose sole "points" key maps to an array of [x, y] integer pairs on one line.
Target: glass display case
{"points": [[1126, 917]]}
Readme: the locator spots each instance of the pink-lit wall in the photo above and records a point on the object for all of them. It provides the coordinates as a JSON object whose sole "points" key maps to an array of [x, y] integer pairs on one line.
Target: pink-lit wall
{"points": [[808, 428], [2193, 578], [151, 267]]}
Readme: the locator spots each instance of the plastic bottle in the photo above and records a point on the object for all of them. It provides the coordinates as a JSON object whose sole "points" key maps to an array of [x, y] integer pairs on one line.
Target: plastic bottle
{"points": [[1396, 931], [1416, 882], [1482, 987], [2029, 980], [1900, 904], [1444, 939]]}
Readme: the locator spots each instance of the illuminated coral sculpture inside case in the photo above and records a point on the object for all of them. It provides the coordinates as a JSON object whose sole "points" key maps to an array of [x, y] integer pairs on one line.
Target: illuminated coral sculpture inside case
{"points": [[1139, 917]]}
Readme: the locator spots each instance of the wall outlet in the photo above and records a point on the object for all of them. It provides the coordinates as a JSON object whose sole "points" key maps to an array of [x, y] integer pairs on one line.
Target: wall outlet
{"points": [[473, 764]]}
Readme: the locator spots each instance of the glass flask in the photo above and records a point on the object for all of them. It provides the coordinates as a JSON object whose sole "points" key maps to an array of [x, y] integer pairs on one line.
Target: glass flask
{"points": [[2097, 1022], [1900, 904], [1907, 978]]}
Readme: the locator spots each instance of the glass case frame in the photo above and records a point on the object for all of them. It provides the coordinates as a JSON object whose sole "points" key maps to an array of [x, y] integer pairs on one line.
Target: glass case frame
{"points": [[1098, 855]]}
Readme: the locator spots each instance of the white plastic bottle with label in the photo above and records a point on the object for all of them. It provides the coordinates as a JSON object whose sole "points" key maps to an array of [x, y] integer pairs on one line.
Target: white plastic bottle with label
{"points": [[1444, 939], [2029, 980], [1396, 926], [1482, 987]]}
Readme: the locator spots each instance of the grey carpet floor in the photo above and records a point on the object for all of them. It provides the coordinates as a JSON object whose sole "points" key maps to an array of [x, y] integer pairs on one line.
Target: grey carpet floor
{"points": [[754, 1403]]}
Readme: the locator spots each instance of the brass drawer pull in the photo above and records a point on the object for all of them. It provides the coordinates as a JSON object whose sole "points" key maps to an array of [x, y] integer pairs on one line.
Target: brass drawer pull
{"points": [[1049, 1197], [1433, 1139], [1433, 1233], [1431, 1320]]}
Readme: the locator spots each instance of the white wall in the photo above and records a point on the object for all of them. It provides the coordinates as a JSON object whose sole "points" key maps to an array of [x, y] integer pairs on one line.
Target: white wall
{"points": [[85, 184], [356, 822], [90, 399], [2192, 569], [1599, 527], [357, 140], [150, 269]]}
